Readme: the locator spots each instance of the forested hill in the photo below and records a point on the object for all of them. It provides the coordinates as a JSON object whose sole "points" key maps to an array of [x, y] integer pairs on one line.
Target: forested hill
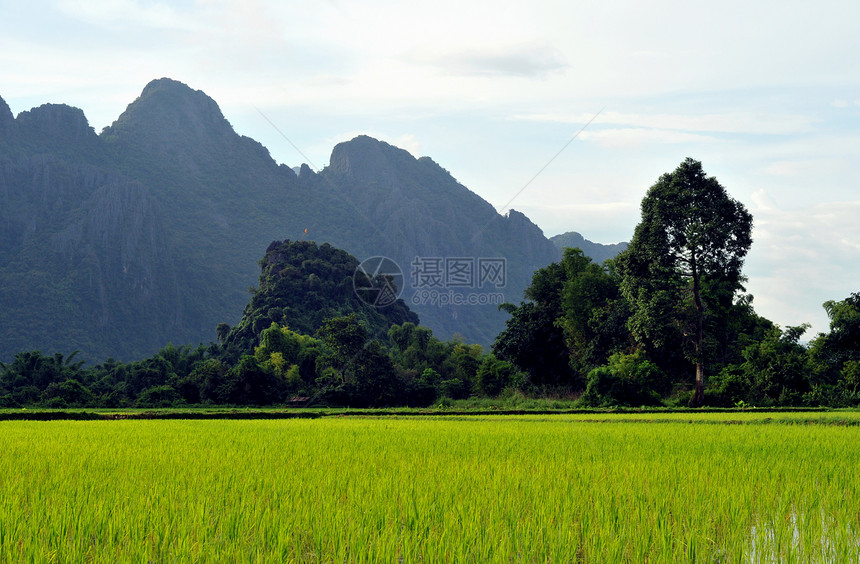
{"points": [[118, 243], [302, 285]]}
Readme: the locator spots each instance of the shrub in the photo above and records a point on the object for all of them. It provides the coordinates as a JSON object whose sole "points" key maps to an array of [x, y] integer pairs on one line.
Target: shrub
{"points": [[628, 379]]}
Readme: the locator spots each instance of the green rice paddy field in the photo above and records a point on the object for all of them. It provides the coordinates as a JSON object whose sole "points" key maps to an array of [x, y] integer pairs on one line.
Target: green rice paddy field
{"points": [[724, 487]]}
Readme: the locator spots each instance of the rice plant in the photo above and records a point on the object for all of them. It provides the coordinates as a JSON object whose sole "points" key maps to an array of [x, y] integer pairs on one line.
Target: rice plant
{"points": [[431, 489]]}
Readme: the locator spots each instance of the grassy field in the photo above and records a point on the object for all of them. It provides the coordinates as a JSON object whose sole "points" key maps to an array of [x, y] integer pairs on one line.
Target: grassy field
{"points": [[667, 487]]}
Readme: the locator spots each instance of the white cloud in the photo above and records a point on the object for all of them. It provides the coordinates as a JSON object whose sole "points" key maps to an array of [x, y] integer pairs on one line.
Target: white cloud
{"points": [[842, 103], [802, 257], [635, 137], [409, 142], [730, 122], [801, 166], [127, 13], [525, 61]]}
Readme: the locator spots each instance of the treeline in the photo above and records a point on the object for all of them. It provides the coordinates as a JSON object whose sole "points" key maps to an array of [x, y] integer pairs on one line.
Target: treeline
{"points": [[667, 322], [573, 335], [569, 339], [752, 361], [339, 366]]}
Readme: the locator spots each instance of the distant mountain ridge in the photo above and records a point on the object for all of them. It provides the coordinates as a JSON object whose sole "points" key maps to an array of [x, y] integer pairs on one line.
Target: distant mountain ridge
{"points": [[598, 252], [148, 233]]}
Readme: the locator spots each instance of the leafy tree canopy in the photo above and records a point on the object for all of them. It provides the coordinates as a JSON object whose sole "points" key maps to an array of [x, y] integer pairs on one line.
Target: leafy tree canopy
{"points": [[684, 261]]}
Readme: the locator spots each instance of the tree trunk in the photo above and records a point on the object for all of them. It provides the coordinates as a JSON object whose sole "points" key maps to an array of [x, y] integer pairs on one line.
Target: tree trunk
{"points": [[698, 398], [699, 395]]}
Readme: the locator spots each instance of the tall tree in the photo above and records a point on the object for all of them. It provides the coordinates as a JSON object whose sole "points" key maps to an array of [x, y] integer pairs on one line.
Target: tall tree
{"points": [[842, 344], [685, 257], [844, 337], [532, 340], [590, 305]]}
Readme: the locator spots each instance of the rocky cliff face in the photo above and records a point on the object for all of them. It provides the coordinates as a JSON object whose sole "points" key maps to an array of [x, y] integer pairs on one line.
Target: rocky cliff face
{"points": [[119, 248], [83, 261], [37, 192]]}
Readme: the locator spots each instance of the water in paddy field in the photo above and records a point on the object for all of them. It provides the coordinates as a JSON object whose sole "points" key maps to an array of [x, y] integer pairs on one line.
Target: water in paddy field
{"points": [[799, 540]]}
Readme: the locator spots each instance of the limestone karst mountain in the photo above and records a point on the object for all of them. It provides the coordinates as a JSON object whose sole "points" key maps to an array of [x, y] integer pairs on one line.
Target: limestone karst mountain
{"points": [[117, 243]]}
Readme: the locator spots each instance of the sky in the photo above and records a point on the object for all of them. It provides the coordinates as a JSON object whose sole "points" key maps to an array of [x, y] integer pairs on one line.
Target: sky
{"points": [[765, 94]]}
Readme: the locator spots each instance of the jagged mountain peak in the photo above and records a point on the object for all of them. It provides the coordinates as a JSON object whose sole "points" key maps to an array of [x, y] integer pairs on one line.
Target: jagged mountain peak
{"points": [[167, 107], [167, 84], [56, 125], [169, 91], [598, 252], [363, 157], [165, 94], [384, 171], [6, 118], [520, 223], [178, 126], [518, 218]]}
